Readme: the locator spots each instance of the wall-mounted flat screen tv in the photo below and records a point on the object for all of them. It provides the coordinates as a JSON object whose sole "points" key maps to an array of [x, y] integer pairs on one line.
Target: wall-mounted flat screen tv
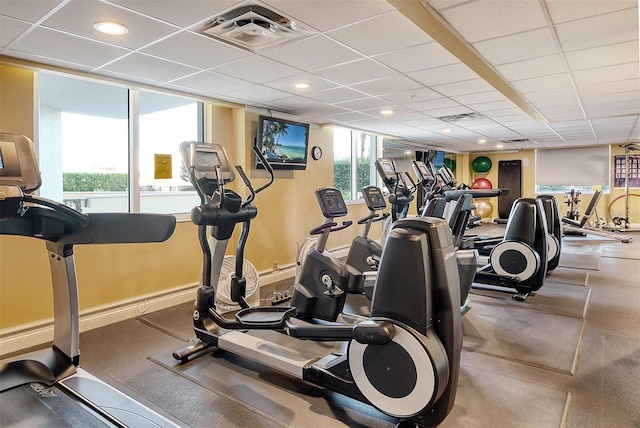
{"points": [[283, 143]]}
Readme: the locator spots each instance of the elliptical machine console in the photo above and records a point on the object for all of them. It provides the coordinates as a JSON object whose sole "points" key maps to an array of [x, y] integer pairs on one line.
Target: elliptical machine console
{"points": [[404, 360]]}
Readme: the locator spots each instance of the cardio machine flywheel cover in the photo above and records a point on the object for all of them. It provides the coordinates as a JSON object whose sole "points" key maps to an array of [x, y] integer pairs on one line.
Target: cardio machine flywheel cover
{"points": [[552, 247], [399, 378], [514, 258]]}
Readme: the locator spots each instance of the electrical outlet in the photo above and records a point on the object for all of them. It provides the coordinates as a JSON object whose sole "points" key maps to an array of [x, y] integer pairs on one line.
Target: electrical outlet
{"points": [[276, 265]]}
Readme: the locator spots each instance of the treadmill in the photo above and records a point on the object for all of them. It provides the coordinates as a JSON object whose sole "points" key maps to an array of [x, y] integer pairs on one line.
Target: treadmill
{"points": [[48, 388]]}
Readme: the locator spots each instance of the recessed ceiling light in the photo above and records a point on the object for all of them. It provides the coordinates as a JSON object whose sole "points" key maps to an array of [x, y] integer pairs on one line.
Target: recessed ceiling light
{"points": [[499, 146], [112, 28], [386, 112], [482, 141], [447, 130], [302, 85], [408, 152]]}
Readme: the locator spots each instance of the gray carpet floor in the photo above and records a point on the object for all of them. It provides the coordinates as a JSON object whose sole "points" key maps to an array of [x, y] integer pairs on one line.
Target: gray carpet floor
{"points": [[494, 391]]}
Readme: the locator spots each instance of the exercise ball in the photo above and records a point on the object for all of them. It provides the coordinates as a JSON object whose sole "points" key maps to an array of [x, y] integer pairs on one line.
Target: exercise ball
{"points": [[481, 164], [483, 208], [450, 163], [481, 183]]}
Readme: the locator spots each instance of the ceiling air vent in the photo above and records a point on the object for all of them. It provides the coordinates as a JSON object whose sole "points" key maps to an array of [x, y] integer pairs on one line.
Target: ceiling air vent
{"points": [[254, 27], [520, 141], [461, 117]]}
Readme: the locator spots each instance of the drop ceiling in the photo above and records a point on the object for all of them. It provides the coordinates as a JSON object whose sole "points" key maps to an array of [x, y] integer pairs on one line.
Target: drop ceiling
{"points": [[513, 73]]}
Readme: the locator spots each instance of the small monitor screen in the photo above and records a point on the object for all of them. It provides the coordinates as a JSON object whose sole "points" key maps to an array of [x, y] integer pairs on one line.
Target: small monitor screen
{"points": [[388, 168], [207, 161], [1, 162]]}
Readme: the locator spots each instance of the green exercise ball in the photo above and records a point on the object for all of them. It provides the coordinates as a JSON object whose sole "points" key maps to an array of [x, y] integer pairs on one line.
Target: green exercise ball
{"points": [[450, 163], [481, 164]]}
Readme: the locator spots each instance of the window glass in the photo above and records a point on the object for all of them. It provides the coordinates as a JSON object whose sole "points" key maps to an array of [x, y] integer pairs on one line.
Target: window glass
{"points": [[83, 144], [342, 161], [165, 122], [354, 155]]}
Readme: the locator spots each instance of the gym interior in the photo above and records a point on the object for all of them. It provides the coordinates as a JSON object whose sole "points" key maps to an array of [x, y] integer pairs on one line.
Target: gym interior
{"points": [[486, 116]]}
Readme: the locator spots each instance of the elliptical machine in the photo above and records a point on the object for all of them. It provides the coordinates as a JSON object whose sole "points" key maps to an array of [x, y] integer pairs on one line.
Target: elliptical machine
{"points": [[413, 336]]}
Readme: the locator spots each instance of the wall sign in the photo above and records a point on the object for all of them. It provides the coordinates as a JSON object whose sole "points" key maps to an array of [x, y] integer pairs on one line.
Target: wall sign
{"points": [[620, 171]]}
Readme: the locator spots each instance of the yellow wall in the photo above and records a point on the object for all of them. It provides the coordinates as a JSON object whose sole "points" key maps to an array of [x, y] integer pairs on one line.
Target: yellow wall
{"points": [[465, 174], [113, 274]]}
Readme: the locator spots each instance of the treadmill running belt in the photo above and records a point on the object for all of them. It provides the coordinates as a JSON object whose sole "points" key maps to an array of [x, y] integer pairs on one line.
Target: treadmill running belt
{"points": [[36, 405]]}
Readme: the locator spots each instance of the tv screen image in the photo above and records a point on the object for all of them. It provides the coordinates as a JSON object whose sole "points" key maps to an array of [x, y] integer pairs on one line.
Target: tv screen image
{"points": [[283, 143]]}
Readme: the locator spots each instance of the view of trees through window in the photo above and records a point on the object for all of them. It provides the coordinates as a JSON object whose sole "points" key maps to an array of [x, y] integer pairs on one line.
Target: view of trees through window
{"points": [[353, 166]]}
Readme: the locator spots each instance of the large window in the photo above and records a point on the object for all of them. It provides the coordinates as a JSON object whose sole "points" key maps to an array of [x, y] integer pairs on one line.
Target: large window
{"points": [[353, 164], [107, 148]]}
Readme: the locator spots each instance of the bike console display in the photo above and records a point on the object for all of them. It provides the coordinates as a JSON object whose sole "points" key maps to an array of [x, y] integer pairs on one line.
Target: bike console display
{"points": [[374, 198], [208, 161], [422, 172], [331, 202]]}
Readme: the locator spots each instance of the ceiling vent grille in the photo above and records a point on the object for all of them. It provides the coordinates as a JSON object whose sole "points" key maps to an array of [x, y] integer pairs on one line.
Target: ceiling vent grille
{"points": [[254, 27], [520, 141], [461, 117]]}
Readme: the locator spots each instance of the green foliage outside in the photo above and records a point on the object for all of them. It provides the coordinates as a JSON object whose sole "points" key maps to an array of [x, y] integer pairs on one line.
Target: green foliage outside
{"points": [[342, 175], [94, 182]]}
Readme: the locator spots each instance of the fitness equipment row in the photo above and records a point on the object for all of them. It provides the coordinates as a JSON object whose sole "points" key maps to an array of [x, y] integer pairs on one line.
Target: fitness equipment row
{"points": [[49, 387], [404, 359]]}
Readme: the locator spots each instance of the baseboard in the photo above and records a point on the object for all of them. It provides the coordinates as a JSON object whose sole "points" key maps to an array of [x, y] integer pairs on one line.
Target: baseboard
{"points": [[34, 334]]}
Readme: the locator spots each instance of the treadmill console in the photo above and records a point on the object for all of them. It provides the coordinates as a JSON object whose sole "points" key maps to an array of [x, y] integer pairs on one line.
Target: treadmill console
{"points": [[387, 170], [422, 172], [18, 163], [331, 202], [374, 198]]}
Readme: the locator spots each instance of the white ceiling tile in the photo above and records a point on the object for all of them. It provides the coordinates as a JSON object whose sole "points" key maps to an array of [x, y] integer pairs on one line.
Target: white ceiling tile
{"points": [[428, 55], [445, 74], [326, 53], [535, 67], [10, 29], [480, 97], [77, 17], [30, 11], [551, 94], [433, 104], [562, 11], [128, 77], [507, 49], [326, 15], [536, 84], [336, 95], [355, 72], [183, 12], [294, 103], [257, 93], [46, 60], [350, 116], [153, 68], [65, 47], [490, 106], [461, 88], [601, 56], [608, 87], [256, 69], [607, 74], [563, 114], [286, 84], [383, 33], [483, 20], [608, 98], [412, 96], [600, 30], [213, 83], [365, 104], [387, 85], [195, 50]]}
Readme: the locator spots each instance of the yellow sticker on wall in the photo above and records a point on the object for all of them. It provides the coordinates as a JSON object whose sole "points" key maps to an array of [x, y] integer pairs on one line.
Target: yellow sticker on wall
{"points": [[163, 168]]}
